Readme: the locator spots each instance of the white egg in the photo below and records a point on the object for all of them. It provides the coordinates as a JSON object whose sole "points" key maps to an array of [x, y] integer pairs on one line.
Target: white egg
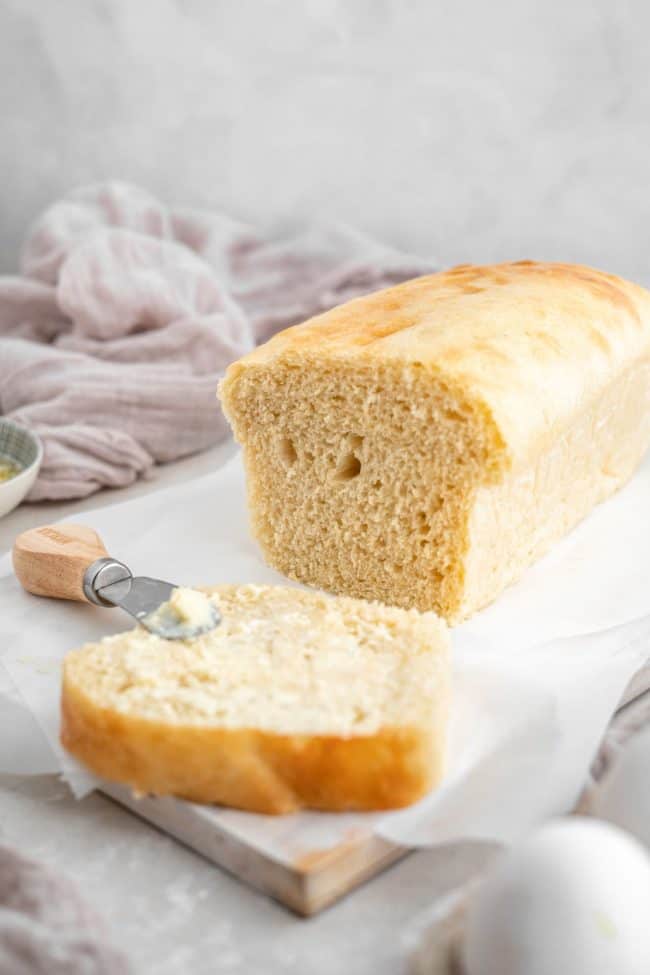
{"points": [[574, 899], [623, 797]]}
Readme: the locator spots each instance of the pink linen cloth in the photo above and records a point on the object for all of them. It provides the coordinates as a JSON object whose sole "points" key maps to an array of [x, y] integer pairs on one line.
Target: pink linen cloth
{"points": [[126, 313], [46, 927]]}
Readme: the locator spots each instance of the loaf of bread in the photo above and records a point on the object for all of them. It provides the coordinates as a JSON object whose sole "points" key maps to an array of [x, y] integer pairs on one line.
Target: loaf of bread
{"points": [[295, 700], [424, 444]]}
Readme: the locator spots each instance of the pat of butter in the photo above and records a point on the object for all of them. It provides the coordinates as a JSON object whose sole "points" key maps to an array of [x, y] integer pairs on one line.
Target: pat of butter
{"points": [[191, 606]]}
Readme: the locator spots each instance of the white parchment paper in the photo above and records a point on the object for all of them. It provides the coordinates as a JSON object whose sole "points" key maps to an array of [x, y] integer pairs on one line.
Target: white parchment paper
{"points": [[537, 676]]}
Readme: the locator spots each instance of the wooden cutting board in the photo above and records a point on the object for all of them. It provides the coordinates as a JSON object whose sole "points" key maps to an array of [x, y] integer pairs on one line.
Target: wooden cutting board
{"points": [[290, 862], [288, 867]]}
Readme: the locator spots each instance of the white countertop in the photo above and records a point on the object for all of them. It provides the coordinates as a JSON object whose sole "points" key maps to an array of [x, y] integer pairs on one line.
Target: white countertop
{"points": [[177, 914]]}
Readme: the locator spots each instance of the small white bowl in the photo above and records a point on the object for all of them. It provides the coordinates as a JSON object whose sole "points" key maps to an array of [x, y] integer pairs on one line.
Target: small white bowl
{"points": [[25, 449]]}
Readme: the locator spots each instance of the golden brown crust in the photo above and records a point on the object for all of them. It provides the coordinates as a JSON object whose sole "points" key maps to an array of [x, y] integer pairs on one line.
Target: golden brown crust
{"points": [[530, 343], [251, 769], [368, 320]]}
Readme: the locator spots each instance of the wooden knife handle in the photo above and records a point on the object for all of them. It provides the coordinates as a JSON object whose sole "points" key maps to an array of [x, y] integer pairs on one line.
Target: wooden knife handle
{"points": [[52, 560]]}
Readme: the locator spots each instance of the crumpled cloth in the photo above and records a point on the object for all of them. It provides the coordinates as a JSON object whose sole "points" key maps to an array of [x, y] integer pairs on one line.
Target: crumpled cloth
{"points": [[126, 313], [46, 928], [625, 725]]}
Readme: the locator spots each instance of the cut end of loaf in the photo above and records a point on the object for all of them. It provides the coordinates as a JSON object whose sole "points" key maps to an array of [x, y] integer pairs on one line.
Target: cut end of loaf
{"points": [[296, 700], [361, 475]]}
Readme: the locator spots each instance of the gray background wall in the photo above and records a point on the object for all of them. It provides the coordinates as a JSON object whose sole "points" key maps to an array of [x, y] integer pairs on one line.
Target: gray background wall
{"points": [[472, 131]]}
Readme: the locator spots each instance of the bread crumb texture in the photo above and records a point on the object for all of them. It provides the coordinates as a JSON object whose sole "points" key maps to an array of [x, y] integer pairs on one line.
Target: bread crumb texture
{"points": [[295, 699], [424, 444]]}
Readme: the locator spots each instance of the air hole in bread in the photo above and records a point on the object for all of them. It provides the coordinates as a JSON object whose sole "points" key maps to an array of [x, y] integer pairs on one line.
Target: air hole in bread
{"points": [[348, 467], [288, 451], [355, 441], [455, 416]]}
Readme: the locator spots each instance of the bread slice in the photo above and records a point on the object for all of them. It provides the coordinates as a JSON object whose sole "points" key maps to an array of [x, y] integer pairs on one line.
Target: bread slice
{"points": [[296, 700], [422, 445]]}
